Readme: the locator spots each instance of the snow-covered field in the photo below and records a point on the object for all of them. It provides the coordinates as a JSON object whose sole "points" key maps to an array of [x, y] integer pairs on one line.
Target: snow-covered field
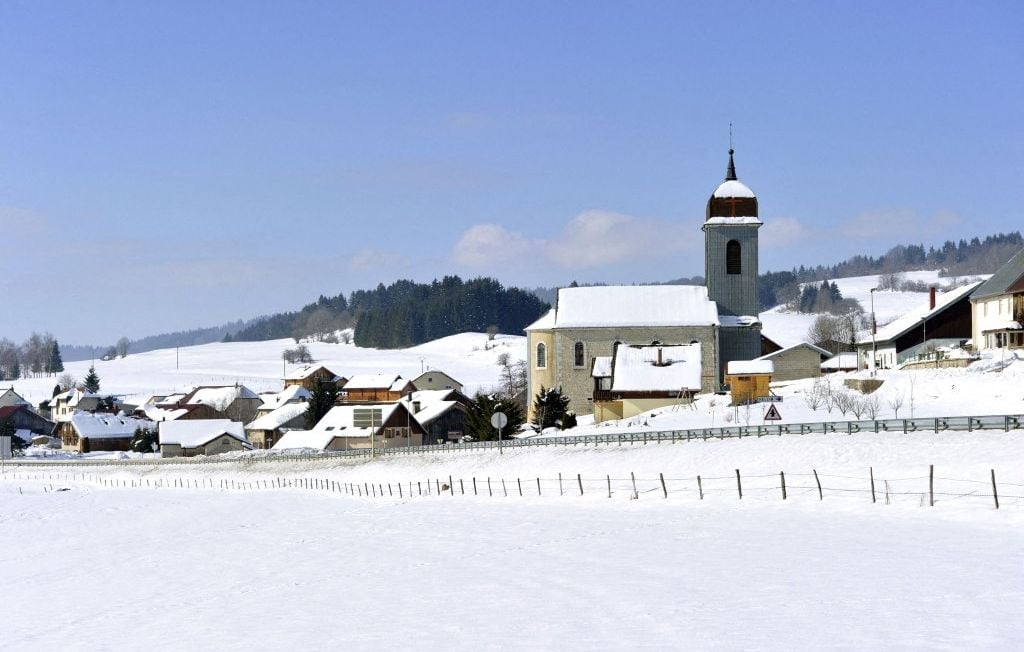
{"points": [[203, 568]]}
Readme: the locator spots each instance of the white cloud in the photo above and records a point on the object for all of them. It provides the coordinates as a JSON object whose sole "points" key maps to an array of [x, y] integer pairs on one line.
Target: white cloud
{"points": [[486, 245], [783, 232], [369, 259]]}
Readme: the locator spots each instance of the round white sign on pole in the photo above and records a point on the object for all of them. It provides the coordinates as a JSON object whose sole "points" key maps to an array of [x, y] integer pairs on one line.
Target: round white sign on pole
{"points": [[499, 420]]}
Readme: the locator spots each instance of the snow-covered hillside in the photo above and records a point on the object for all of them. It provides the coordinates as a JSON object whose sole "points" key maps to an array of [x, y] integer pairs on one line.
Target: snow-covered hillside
{"points": [[788, 328], [469, 358]]}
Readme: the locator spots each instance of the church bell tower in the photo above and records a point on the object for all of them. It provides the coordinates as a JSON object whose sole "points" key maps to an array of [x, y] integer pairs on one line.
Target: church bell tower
{"points": [[730, 246]]}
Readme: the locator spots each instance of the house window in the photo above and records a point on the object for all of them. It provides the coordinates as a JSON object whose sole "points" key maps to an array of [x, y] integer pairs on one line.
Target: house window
{"points": [[578, 355], [542, 355], [732, 258]]}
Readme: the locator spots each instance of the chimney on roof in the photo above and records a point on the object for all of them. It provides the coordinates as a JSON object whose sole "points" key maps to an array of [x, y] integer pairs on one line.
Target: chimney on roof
{"points": [[660, 362], [931, 298]]}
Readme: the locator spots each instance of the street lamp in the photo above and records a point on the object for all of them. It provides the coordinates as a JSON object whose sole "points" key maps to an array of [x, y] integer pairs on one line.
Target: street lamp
{"points": [[924, 334], [874, 347]]}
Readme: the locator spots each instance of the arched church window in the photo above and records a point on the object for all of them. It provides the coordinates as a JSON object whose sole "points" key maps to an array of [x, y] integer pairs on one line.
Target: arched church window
{"points": [[578, 355], [542, 355], [732, 258]]}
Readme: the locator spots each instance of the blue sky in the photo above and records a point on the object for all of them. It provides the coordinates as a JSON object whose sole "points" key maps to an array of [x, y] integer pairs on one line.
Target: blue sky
{"points": [[172, 165]]}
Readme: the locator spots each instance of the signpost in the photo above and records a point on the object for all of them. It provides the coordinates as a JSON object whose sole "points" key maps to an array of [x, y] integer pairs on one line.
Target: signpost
{"points": [[499, 420], [772, 414]]}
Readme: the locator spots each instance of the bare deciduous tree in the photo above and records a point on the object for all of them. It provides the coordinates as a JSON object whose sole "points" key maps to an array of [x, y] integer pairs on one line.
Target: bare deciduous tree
{"points": [[896, 402], [871, 406]]}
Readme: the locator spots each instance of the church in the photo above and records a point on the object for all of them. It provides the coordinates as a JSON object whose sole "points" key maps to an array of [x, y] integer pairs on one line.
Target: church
{"points": [[612, 348]]}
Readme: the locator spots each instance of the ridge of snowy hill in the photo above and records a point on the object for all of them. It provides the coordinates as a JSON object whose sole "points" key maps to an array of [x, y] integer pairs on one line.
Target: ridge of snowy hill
{"points": [[470, 358]]}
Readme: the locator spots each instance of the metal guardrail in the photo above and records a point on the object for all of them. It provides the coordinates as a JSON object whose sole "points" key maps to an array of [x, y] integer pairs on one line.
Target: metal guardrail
{"points": [[923, 424]]}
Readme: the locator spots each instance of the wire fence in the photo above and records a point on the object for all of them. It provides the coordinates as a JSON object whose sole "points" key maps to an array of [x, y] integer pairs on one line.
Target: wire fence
{"points": [[1000, 422], [924, 490]]}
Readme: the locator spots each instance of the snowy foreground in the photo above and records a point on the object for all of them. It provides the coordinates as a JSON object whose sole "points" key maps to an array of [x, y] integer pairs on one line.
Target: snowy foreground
{"points": [[264, 564]]}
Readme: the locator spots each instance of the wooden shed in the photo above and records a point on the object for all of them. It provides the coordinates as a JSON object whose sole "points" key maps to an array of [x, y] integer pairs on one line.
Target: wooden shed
{"points": [[748, 380]]}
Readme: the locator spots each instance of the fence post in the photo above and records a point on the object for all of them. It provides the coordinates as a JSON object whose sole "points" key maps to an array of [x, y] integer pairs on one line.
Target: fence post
{"points": [[538, 486], [871, 470], [489, 492], [931, 485], [995, 493], [739, 485], [782, 476], [664, 489], [462, 487], [579, 479], [560, 492], [400, 490], [419, 487], [520, 483], [504, 488], [700, 488], [609, 486], [820, 495], [451, 486], [636, 495]]}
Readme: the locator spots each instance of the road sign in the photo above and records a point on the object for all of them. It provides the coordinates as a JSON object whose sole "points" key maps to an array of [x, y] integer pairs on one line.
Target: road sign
{"points": [[499, 420], [772, 414]]}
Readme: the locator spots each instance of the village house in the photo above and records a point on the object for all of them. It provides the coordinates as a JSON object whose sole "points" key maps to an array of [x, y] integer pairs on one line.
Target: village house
{"points": [[840, 362], [798, 361], [9, 397], [65, 404], [201, 437], [23, 418], [944, 321], [89, 432], [351, 427], [636, 379], [267, 429], [310, 376], [997, 307], [375, 388], [722, 316], [233, 402], [436, 379], [290, 394], [441, 413]]}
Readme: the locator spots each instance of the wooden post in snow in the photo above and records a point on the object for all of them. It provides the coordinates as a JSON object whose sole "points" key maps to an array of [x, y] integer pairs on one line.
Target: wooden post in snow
{"points": [[931, 485], [739, 484], [579, 479], [820, 495], [664, 489], [995, 493], [782, 477], [871, 471], [700, 488]]}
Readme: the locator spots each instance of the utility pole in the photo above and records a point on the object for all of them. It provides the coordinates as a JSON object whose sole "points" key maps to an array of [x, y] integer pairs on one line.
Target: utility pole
{"points": [[874, 347]]}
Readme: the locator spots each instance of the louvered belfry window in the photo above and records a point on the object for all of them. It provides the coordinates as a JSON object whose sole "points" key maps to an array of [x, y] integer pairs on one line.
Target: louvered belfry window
{"points": [[732, 258]]}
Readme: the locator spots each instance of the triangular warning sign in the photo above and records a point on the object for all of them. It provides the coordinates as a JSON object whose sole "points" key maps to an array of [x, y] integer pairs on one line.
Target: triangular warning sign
{"points": [[772, 414]]}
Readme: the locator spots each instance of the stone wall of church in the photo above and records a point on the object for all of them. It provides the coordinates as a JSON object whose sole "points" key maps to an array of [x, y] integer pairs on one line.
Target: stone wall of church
{"points": [[577, 383], [735, 294]]}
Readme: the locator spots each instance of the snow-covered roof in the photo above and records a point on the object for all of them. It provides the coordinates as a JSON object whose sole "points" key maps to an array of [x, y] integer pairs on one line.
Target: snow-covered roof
{"points": [[198, 432], [106, 426], [340, 419], [13, 397], [431, 411], [305, 372], [634, 305], [1003, 326], [162, 414], [219, 398], [805, 345], [172, 398], [910, 320], [737, 321], [733, 220], [747, 367], [314, 439], [375, 381], [840, 361], [733, 188], [636, 369], [278, 417], [73, 397], [546, 322], [602, 367], [290, 394]]}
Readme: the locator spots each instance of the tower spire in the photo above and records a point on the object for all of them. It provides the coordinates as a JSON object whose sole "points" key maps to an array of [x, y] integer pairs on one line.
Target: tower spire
{"points": [[730, 172]]}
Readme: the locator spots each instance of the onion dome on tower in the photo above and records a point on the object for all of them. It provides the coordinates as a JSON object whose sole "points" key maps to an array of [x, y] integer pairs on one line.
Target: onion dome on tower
{"points": [[732, 198]]}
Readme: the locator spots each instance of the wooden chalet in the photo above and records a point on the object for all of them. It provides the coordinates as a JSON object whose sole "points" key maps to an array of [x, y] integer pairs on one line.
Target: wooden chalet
{"points": [[310, 376], [375, 388]]}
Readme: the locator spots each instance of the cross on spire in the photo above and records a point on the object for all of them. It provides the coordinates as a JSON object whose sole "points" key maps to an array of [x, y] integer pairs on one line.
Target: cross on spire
{"points": [[730, 172]]}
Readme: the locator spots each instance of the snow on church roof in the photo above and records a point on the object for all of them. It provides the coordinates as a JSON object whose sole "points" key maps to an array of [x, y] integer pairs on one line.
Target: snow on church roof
{"points": [[634, 305], [733, 188], [636, 368]]}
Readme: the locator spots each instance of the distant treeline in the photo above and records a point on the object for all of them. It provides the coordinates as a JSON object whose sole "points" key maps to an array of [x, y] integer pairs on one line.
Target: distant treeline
{"points": [[153, 342], [407, 313]]}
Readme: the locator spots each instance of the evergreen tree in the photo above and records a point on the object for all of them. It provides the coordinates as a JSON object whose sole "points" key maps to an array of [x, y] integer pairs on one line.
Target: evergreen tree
{"points": [[92, 381], [56, 363], [550, 407], [8, 429], [480, 410], [143, 440], [56, 390], [321, 401]]}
